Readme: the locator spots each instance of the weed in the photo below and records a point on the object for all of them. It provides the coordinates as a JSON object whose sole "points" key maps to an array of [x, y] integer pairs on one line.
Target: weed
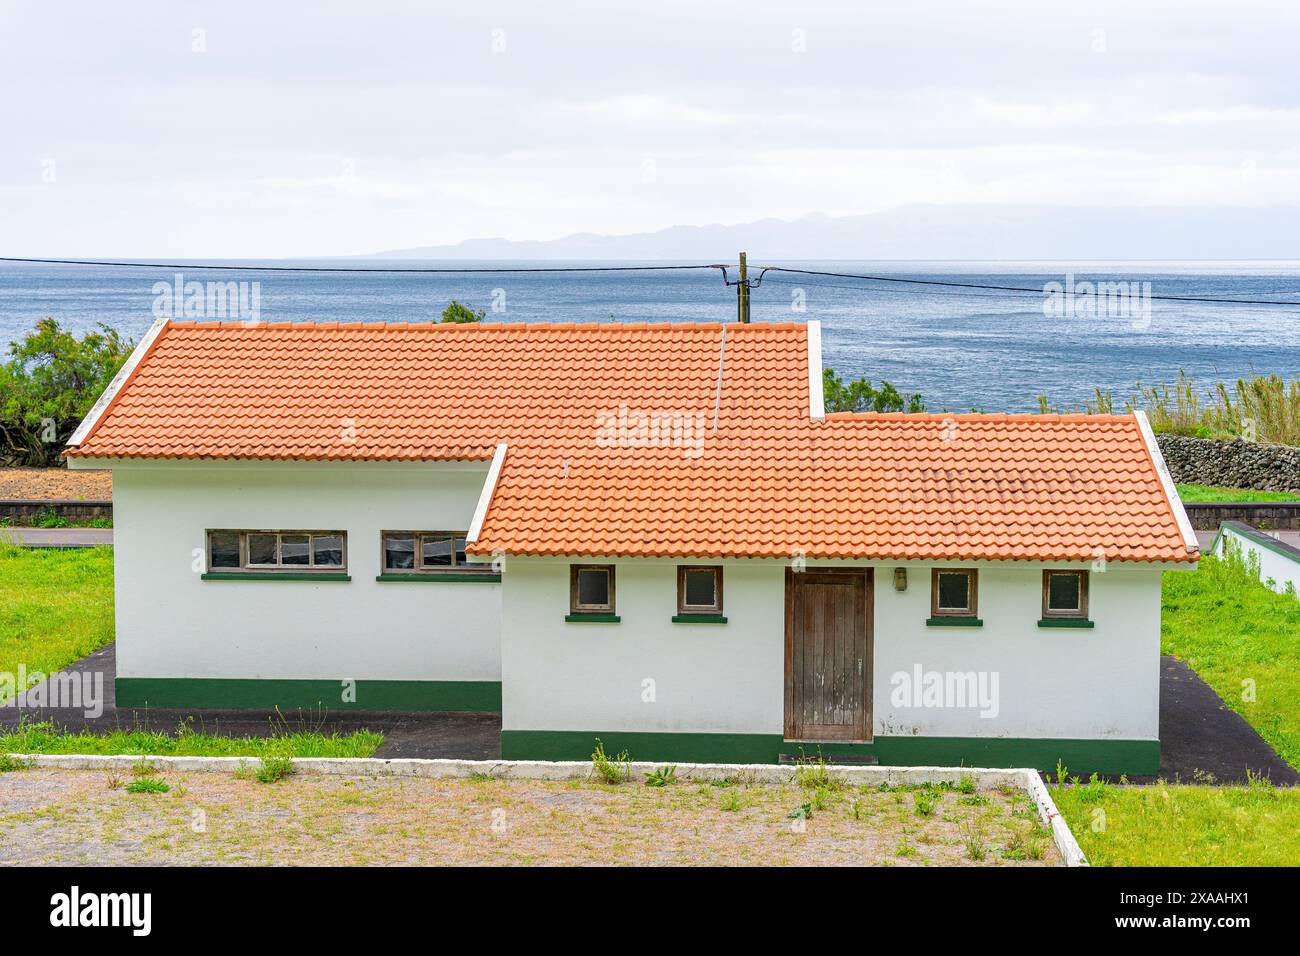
{"points": [[972, 835], [10, 762], [731, 801], [802, 812], [273, 769], [925, 801], [814, 775], [612, 770], [663, 777], [147, 785], [966, 784]]}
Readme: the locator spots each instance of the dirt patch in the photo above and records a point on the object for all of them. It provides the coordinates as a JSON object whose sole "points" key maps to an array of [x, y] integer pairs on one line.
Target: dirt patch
{"points": [[86, 817], [51, 484]]}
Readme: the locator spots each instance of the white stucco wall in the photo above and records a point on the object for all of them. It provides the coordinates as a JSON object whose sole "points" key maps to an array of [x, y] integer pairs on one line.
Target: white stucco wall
{"points": [[1101, 682], [170, 623]]}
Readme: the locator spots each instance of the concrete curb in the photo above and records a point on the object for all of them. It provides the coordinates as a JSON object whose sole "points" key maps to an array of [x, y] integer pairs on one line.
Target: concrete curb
{"points": [[985, 778], [1071, 852]]}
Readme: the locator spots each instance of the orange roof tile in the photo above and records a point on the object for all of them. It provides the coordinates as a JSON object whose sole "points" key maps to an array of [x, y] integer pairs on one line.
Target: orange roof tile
{"points": [[620, 442]]}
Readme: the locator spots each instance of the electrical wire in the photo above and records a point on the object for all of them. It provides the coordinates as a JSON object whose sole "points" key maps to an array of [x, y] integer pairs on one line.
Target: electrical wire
{"points": [[752, 283], [190, 265], [1007, 288]]}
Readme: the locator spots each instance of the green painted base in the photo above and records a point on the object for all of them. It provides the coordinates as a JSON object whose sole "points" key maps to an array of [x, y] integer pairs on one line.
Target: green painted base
{"points": [[1080, 756], [224, 694]]}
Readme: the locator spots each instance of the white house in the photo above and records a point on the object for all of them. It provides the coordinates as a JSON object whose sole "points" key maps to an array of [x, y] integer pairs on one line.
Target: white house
{"points": [[651, 534]]}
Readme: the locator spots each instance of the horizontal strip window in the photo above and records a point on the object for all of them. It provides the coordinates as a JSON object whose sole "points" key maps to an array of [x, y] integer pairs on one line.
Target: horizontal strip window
{"points": [[463, 576], [429, 553], [262, 552]]}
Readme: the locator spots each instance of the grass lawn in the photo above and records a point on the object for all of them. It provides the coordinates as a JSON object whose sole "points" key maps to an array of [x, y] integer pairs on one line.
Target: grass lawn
{"points": [[1162, 825], [1244, 641], [43, 739], [1210, 493], [56, 606], [91, 817]]}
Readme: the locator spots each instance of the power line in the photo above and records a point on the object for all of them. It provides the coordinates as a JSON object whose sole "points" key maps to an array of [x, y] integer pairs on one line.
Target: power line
{"points": [[1008, 288], [191, 265], [748, 283]]}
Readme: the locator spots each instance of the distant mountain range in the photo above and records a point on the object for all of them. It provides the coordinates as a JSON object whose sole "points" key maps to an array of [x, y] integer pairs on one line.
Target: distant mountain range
{"points": [[935, 232]]}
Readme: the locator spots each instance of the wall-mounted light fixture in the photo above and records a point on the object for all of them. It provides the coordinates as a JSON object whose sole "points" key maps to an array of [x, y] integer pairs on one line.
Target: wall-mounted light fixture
{"points": [[900, 579]]}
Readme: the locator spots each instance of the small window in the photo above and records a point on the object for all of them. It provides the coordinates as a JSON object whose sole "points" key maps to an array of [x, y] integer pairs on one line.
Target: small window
{"points": [[1065, 594], [591, 588], [954, 592], [699, 590], [276, 550], [427, 552], [223, 549]]}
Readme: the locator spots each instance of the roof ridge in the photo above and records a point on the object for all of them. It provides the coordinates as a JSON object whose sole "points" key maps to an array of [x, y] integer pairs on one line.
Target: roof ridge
{"points": [[1047, 418], [450, 327]]}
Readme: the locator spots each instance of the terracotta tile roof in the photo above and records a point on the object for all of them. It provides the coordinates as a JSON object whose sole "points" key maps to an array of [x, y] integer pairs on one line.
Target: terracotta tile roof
{"points": [[613, 448]]}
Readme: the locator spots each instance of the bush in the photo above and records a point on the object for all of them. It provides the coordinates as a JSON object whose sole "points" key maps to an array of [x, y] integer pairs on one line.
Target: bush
{"points": [[1265, 408], [455, 312], [48, 385], [860, 396]]}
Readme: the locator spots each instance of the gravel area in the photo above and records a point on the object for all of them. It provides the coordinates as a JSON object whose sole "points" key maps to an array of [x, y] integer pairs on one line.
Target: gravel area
{"points": [[54, 484], [88, 818]]}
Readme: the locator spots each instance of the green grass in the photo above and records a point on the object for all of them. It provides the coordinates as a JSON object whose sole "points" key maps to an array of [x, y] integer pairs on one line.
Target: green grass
{"points": [[56, 606], [42, 738], [1244, 641], [1164, 825], [1211, 493]]}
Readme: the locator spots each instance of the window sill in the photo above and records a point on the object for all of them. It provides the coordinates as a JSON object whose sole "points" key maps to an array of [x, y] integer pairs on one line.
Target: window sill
{"points": [[699, 619], [440, 578], [275, 576], [1064, 622], [592, 617], [953, 621]]}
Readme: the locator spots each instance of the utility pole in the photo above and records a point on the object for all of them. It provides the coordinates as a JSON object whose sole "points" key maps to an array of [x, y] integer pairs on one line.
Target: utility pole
{"points": [[742, 291]]}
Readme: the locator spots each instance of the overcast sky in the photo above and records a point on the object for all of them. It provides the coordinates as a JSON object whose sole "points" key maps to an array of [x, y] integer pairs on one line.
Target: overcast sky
{"points": [[246, 129]]}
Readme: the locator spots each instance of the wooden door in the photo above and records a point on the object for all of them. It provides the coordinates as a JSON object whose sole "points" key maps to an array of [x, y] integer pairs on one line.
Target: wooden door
{"points": [[828, 655]]}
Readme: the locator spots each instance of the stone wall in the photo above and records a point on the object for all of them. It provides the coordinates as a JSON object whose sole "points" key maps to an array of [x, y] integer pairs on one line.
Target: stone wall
{"points": [[1231, 464]]}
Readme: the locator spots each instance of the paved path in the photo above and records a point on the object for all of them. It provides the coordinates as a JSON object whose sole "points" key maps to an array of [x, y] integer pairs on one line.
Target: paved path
{"points": [[1198, 733], [472, 736], [60, 537]]}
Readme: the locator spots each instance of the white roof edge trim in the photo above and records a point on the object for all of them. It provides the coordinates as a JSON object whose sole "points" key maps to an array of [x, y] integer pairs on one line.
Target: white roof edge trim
{"points": [[1167, 482], [816, 400], [485, 496], [101, 404]]}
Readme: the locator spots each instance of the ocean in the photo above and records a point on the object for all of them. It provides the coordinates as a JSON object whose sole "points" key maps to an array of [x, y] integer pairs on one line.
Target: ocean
{"points": [[962, 349]]}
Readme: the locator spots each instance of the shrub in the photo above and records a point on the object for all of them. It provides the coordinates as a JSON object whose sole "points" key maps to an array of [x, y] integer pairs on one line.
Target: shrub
{"points": [[860, 396], [1265, 408], [461, 314], [49, 384]]}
